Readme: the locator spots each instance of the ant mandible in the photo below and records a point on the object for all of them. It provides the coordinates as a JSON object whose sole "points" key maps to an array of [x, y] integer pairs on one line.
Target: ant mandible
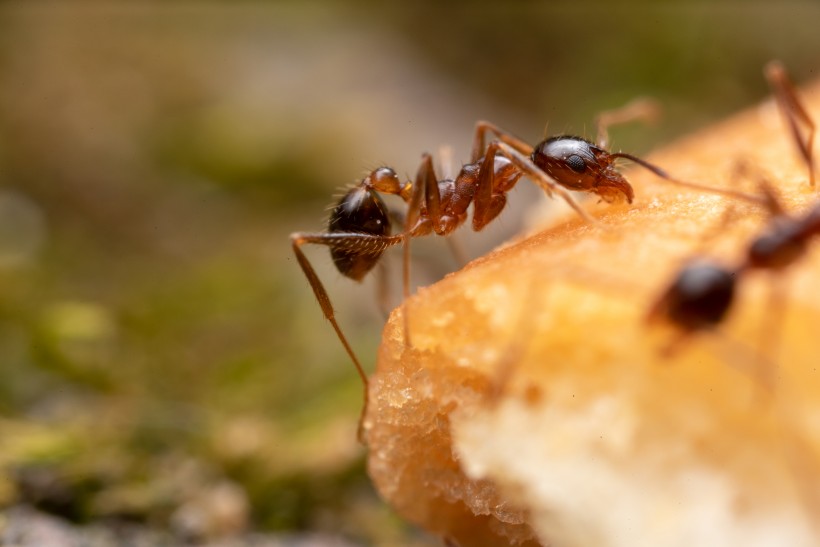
{"points": [[701, 294], [359, 229]]}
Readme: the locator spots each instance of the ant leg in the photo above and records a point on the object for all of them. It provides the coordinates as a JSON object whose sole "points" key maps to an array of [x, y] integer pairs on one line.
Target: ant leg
{"points": [[425, 187], [486, 207], [481, 129], [772, 201], [457, 250], [791, 107], [383, 289], [518, 344], [745, 360], [802, 459], [728, 215], [445, 154], [350, 241], [772, 326], [673, 345], [640, 109], [297, 240]]}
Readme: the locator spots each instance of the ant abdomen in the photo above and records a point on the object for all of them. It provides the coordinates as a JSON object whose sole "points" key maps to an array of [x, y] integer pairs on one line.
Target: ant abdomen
{"points": [[699, 298], [360, 211]]}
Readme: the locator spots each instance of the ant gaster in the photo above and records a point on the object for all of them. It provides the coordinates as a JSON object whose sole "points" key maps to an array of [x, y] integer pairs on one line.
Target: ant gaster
{"points": [[703, 291], [359, 230]]}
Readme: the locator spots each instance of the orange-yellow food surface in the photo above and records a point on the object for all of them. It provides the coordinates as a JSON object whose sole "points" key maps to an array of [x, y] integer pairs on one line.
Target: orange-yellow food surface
{"points": [[535, 406]]}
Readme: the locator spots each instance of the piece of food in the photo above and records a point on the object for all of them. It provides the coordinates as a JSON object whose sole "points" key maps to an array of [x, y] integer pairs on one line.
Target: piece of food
{"points": [[536, 406]]}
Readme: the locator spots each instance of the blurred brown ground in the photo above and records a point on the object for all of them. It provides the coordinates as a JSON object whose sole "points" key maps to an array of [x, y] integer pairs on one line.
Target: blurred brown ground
{"points": [[157, 342]]}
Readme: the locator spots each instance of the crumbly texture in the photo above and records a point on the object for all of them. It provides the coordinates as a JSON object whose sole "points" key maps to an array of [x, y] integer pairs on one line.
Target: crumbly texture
{"points": [[535, 406]]}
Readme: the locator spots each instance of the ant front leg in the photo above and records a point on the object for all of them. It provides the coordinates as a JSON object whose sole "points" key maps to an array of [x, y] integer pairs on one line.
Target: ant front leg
{"points": [[481, 129], [489, 201], [641, 109], [791, 107]]}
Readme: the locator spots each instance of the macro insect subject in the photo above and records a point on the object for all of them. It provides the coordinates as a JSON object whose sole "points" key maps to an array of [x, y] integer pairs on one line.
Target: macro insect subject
{"points": [[700, 296], [360, 227]]}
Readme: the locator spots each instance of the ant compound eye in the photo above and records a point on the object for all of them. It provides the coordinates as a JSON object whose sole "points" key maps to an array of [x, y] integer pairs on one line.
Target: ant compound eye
{"points": [[576, 163]]}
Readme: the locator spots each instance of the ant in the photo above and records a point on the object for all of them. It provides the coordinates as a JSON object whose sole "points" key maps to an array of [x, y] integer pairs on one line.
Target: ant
{"points": [[701, 294], [359, 229]]}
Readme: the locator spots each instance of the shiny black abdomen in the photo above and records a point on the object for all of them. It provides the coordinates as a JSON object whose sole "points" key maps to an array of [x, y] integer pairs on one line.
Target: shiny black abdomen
{"points": [[701, 296], [360, 211]]}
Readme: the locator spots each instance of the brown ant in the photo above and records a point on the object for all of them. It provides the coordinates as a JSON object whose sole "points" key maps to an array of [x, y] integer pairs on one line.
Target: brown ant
{"points": [[359, 230], [703, 291]]}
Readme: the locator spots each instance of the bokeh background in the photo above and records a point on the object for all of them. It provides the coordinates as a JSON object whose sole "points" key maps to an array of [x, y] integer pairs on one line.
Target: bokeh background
{"points": [[164, 367]]}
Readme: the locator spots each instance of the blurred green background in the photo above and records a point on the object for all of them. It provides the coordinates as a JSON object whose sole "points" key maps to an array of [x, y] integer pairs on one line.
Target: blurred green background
{"points": [[162, 358]]}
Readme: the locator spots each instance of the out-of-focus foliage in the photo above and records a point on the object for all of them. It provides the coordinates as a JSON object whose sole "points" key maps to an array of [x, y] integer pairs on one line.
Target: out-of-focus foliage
{"points": [[159, 346]]}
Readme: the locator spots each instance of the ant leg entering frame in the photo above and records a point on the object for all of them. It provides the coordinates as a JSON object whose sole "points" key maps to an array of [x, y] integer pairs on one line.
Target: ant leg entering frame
{"points": [[445, 154], [640, 109], [481, 129], [793, 110]]}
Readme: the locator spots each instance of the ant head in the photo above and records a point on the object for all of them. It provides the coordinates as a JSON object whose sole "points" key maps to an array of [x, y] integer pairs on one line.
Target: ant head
{"points": [[360, 211], [577, 164], [383, 179], [699, 298]]}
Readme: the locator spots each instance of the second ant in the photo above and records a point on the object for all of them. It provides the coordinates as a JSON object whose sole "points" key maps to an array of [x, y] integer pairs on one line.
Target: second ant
{"points": [[702, 293]]}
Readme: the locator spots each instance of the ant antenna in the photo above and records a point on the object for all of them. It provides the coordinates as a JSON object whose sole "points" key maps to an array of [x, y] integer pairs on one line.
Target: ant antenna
{"points": [[693, 185]]}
